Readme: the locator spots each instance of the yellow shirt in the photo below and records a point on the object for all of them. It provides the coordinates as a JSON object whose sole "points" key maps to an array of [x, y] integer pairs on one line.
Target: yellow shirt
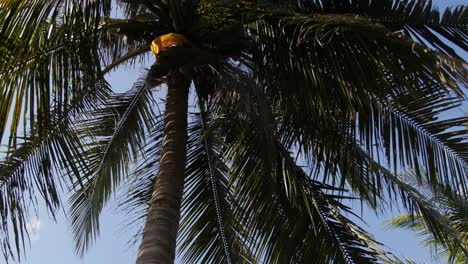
{"points": [[168, 40]]}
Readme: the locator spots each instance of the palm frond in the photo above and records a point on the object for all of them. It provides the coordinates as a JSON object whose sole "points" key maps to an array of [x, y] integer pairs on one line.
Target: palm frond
{"points": [[26, 17], [35, 164], [419, 19], [280, 207], [176, 14], [354, 87], [51, 81], [131, 55], [452, 221], [419, 205], [209, 231], [158, 8], [132, 9], [50, 68], [139, 185], [121, 39], [293, 212], [416, 224], [115, 137]]}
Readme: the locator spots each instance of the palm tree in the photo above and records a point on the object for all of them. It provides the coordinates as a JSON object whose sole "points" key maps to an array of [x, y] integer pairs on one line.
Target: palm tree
{"points": [[301, 105]]}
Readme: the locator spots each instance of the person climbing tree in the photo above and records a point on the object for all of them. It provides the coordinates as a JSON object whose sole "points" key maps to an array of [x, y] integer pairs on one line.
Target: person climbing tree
{"points": [[175, 52]]}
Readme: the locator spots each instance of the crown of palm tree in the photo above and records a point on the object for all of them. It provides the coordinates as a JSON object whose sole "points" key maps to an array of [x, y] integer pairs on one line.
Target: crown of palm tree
{"points": [[359, 90]]}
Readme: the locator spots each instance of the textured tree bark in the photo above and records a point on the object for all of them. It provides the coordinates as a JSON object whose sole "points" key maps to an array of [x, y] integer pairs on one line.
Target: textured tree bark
{"points": [[160, 232]]}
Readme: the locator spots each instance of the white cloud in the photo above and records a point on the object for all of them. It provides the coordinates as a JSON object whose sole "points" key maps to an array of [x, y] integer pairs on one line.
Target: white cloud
{"points": [[33, 228]]}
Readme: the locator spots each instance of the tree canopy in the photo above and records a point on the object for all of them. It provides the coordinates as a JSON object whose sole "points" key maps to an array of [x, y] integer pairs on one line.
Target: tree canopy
{"points": [[305, 104]]}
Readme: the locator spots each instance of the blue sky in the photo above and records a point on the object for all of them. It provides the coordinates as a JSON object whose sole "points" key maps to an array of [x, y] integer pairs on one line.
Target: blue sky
{"points": [[52, 242]]}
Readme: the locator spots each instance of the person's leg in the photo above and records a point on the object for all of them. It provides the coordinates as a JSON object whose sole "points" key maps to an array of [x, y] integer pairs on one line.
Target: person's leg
{"points": [[182, 58]]}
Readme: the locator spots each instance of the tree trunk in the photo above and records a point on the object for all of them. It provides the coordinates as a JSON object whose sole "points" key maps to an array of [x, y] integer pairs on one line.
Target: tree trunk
{"points": [[160, 232]]}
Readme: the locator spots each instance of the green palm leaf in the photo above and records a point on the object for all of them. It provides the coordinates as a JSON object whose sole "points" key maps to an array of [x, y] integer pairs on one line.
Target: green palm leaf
{"points": [[447, 229], [116, 136], [415, 18], [42, 158], [368, 105], [209, 232], [269, 188], [53, 65]]}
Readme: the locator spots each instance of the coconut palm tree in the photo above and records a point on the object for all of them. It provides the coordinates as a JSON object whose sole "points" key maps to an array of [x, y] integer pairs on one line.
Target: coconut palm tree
{"points": [[302, 105]]}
